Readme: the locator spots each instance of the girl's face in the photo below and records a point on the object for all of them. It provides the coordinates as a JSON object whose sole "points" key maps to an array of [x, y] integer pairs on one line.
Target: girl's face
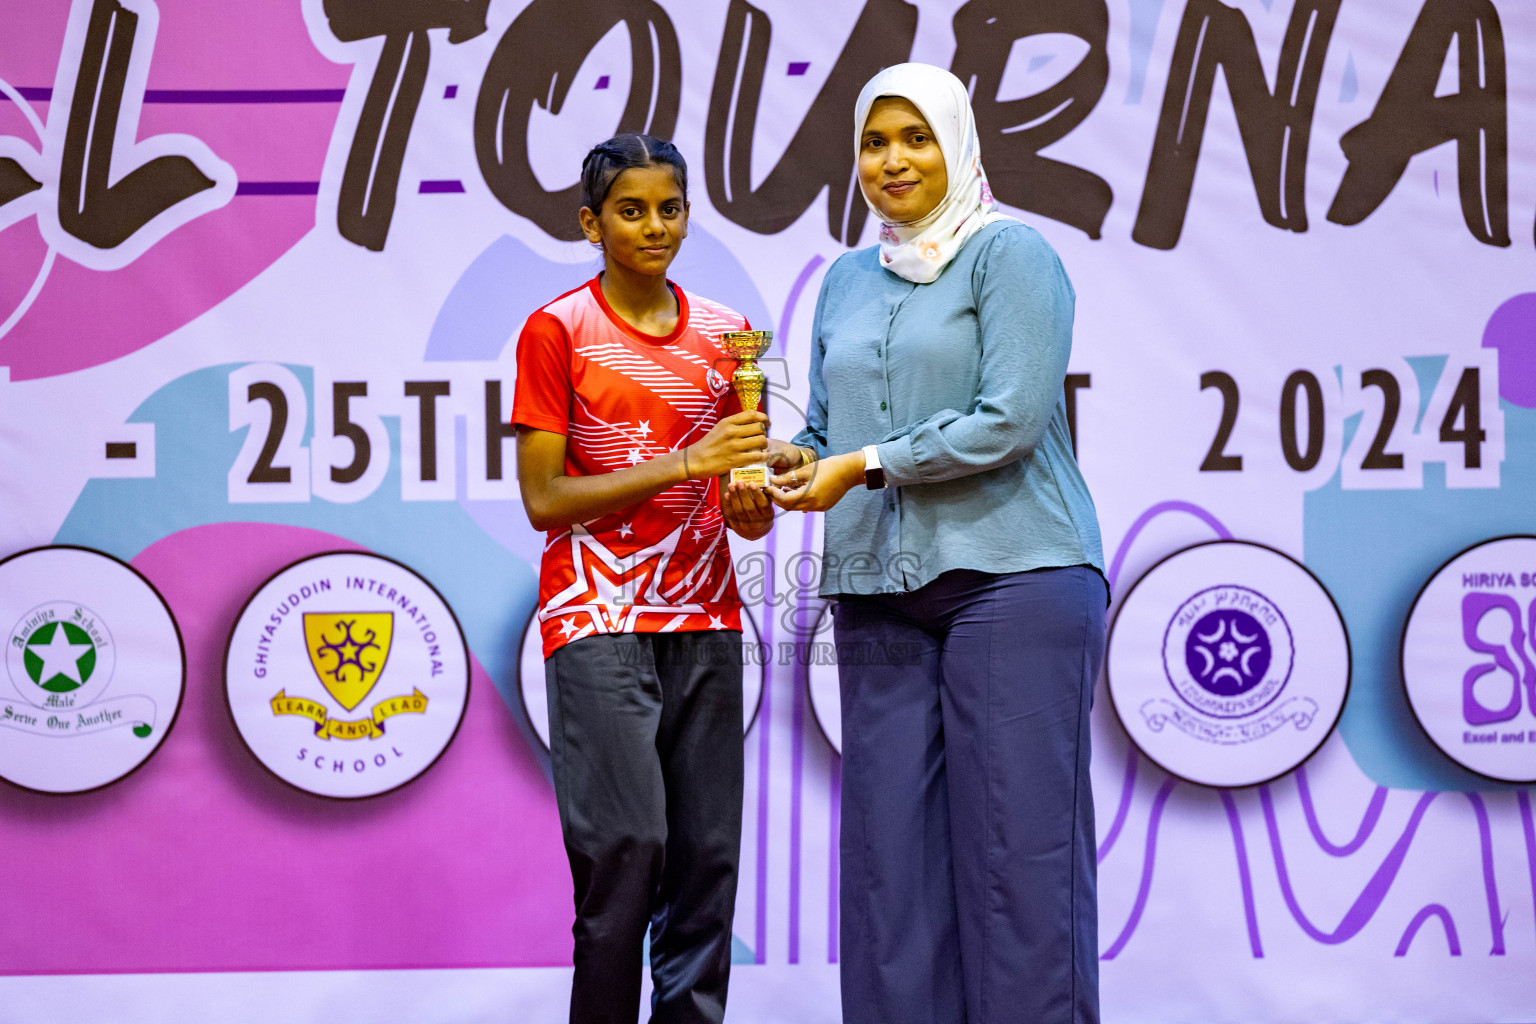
{"points": [[642, 222], [900, 164]]}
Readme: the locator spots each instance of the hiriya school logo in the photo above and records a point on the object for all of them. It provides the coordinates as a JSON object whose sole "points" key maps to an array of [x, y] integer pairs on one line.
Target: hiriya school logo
{"points": [[1469, 658], [347, 675], [1228, 663], [94, 669]]}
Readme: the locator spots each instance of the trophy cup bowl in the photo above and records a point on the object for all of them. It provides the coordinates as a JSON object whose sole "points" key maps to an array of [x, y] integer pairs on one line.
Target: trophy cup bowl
{"points": [[748, 382]]}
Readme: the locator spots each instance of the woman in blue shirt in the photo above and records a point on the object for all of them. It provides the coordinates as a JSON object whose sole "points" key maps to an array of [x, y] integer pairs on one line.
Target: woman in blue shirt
{"points": [[963, 552]]}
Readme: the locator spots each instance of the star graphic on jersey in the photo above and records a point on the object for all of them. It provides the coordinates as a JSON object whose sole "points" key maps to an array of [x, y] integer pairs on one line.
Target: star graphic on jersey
{"points": [[626, 530], [698, 534], [60, 657], [644, 428], [612, 582], [635, 456], [567, 627], [715, 623]]}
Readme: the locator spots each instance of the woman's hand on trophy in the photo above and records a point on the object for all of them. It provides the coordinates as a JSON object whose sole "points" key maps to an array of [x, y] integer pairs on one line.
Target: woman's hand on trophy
{"points": [[817, 486], [746, 508], [740, 439], [783, 456]]}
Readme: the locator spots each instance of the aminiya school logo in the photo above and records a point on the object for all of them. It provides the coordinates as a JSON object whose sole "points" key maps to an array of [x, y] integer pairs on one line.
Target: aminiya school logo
{"points": [[78, 713], [64, 655], [1228, 663], [347, 675]]}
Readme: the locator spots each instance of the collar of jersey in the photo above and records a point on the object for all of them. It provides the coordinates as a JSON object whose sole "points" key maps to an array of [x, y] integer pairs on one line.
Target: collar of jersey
{"points": [[641, 336]]}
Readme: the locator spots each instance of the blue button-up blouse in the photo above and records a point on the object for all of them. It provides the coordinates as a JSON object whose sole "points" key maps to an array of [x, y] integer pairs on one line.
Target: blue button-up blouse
{"points": [[960, 385]]}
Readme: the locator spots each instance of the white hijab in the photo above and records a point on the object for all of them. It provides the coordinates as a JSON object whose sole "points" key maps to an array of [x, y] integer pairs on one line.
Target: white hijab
{"points": [[920, 250]]}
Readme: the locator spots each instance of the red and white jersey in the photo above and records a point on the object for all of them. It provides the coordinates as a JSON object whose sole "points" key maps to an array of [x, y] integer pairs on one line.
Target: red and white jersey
{"points": [[620, 397]]}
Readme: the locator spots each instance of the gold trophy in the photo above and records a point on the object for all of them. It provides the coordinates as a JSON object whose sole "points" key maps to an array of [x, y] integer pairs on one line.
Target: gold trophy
{"points": [[748, 381]]}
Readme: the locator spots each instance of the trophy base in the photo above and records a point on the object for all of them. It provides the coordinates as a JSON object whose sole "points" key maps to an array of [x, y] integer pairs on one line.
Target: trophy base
{"points": [[750, 475]]}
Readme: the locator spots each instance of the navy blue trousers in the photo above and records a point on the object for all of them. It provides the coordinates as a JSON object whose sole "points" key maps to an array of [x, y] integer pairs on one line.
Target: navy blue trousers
{"points": [[968, 857]]}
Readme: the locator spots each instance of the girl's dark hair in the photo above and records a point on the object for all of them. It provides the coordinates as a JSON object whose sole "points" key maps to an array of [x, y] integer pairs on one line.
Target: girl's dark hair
{"points": [[608, 160]]}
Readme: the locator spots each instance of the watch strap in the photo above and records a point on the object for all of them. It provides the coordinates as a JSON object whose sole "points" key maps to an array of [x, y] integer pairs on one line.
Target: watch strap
{"points": [[874, 475]]}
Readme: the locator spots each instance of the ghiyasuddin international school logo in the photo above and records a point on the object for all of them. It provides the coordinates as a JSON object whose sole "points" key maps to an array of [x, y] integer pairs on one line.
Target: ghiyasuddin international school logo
{"points": [[80, 712], [348, 651], [347, 675], [1228, 663], [1469, 658]]}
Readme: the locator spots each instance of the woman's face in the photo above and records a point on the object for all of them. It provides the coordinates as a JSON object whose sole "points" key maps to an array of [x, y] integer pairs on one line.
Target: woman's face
{"points": [[900, 164], [643, 221]]}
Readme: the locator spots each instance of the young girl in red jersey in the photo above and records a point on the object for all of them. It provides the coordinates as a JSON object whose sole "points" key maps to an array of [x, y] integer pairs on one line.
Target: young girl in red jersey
{"points": [[626, 420]]}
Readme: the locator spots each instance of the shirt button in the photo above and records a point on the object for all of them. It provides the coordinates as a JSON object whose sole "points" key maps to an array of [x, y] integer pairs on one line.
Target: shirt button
{"points": [[882, 406]]}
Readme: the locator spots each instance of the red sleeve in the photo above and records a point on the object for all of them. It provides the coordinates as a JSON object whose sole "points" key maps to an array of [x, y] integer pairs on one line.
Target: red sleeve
{"points": [[542, 397]]}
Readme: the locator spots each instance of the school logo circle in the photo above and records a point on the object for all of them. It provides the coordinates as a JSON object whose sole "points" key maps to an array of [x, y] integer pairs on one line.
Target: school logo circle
{"points": [[347, 675], [716, 381], [1220, 647], [94, 669], [1228, 663], [1469, 658]]}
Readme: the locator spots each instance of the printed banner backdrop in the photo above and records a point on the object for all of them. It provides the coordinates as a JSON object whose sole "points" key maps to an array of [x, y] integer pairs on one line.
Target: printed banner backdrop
{"points": [[262, 268]]}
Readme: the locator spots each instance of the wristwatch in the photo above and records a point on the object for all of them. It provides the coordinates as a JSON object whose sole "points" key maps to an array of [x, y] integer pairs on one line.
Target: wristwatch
{"points": [[874, 476]]}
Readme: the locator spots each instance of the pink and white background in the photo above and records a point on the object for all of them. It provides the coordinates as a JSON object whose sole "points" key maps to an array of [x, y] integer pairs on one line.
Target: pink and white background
{"points": [[1356, 189]]}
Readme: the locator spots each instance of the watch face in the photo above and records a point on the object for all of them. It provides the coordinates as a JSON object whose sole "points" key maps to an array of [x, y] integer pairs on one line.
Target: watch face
{"points": [[874, 473]]}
